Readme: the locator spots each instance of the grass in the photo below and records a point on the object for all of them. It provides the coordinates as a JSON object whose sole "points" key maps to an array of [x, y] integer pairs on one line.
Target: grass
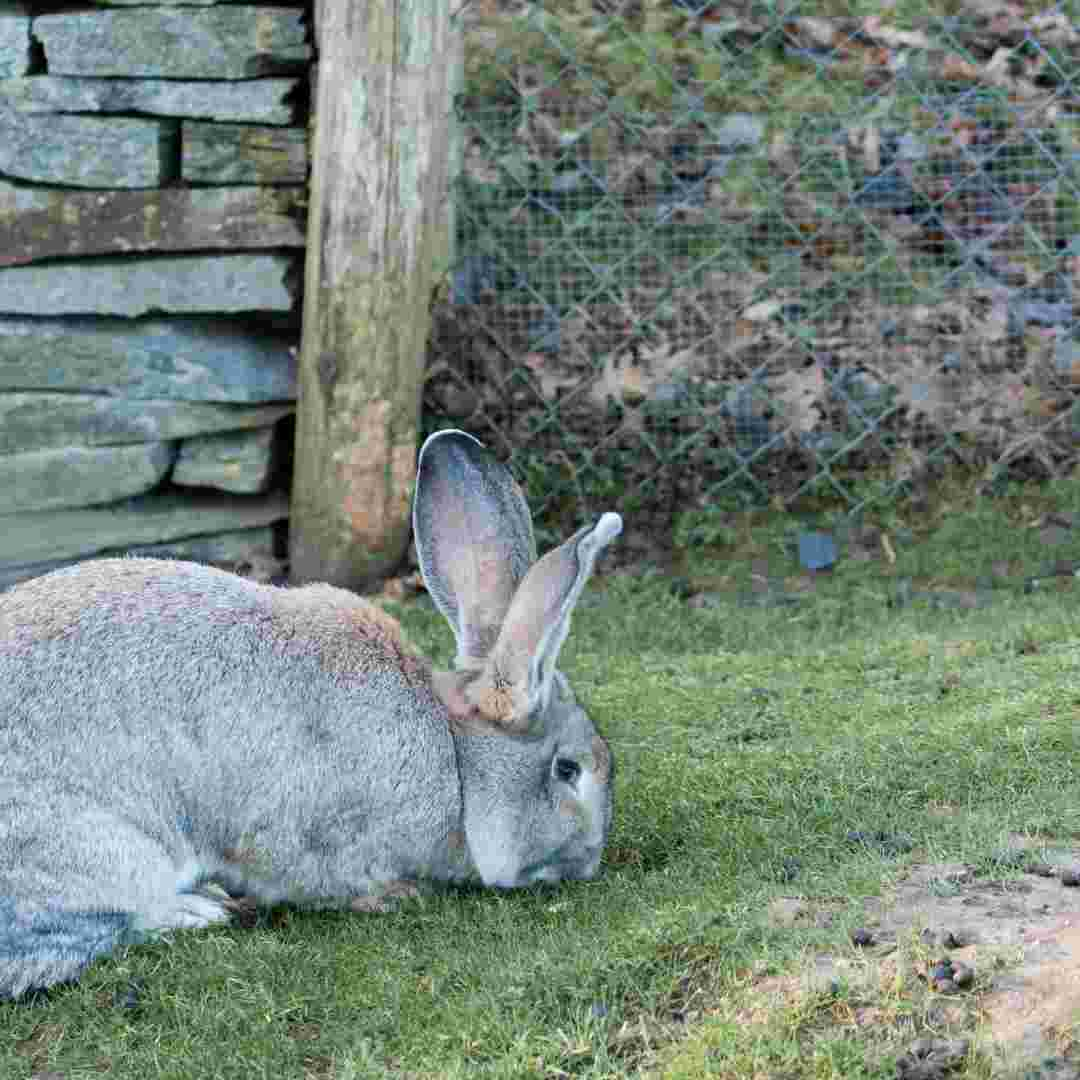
{"points": [[751, 739]]}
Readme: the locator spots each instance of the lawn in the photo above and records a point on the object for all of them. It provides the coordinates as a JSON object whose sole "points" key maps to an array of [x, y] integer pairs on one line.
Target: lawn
{"points": [[777, 736]]}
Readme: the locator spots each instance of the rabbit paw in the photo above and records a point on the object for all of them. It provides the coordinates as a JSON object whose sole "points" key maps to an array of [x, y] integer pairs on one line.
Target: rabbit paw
{"points": [[193, 911]]}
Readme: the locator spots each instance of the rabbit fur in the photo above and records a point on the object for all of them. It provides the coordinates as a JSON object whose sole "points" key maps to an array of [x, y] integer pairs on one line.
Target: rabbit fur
{"points": [[165, 724]]}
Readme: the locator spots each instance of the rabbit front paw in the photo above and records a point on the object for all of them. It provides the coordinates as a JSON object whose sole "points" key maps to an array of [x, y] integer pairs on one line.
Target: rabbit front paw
{"points": [[191, 911]]}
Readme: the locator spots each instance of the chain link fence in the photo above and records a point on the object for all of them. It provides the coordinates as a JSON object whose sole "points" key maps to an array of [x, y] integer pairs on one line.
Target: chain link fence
{"points": [[710, 254]]}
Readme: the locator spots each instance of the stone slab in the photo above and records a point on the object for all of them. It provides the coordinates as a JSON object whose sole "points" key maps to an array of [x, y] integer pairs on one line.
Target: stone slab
{"points": [[87, 151], [157, 3], [243, 154], [227, 549], [48, 421], [232, 42], [190, 284], [42, 223], [14, 40], [80, 476], [254, 101], [51, 535], [203, 360], [240, 461]]}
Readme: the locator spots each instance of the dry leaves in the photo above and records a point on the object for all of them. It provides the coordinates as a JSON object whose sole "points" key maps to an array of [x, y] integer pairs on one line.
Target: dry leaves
{"points": [[891, 293]]}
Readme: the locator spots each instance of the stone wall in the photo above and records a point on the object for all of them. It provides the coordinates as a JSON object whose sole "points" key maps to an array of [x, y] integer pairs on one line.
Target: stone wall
{"points": [[153, 163]]}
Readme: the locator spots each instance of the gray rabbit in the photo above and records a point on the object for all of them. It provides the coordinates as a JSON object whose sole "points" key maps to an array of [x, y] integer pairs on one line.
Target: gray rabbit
{"points": [[164, 725]]}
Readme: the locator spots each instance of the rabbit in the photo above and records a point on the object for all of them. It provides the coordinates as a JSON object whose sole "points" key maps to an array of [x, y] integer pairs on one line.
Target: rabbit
{"points": [[165, 725]]}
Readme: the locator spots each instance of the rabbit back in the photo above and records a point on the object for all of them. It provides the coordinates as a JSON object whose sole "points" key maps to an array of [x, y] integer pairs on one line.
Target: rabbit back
{"points": [[162, 723]]}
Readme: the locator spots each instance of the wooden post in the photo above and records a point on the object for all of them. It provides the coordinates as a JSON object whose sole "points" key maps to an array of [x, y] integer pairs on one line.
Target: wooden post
{"points": [[376, 241]]}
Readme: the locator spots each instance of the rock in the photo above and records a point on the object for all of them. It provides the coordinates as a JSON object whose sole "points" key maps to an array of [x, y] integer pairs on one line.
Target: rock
{"points": [[14, 40], [220, 43], [256, 101], [240, 461], [45, 222], [135, 3], [52, 535], [239, 547], [206, 360], [186, 284], [46, 421], [78, 476], [86, 151], [243, 154]]}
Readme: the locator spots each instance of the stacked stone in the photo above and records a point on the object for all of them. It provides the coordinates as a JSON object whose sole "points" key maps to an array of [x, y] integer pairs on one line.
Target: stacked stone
{"points": [[153, 164]]}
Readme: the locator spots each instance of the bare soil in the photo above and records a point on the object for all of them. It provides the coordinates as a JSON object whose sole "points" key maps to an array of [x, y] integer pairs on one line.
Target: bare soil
{"points": [[1017, 930]]}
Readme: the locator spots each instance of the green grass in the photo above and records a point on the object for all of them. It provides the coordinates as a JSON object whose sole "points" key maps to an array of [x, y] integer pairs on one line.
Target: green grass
{"points": [[747, 735]]}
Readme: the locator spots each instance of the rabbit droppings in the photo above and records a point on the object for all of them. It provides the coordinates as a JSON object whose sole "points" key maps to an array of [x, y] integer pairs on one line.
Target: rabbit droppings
{"points": [[164, 725]]}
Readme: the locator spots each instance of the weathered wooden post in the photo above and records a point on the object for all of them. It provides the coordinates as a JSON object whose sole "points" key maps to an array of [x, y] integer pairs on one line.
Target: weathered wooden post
{"points": [[376, 239]]}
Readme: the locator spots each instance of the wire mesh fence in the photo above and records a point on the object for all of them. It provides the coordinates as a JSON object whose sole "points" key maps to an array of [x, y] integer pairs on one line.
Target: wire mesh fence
{"points": [[714, 253]]}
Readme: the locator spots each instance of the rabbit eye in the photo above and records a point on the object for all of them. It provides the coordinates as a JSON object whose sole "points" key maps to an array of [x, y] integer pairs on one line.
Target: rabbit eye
{"points": [[567, 770]]}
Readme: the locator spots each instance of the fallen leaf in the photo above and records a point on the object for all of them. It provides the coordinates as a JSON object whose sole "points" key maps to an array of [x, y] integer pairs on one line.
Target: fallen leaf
{"points": [[799, 393]]}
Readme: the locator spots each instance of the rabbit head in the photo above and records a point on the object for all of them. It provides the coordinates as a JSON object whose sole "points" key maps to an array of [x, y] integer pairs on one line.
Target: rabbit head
{"points": [[535, 774]]}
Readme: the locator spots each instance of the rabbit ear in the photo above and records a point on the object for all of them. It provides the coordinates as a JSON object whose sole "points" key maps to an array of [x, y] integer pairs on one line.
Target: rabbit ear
{"points": [[474, 539], [511, 693]]}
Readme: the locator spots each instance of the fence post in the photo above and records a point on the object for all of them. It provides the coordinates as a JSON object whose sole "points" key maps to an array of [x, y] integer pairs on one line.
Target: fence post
{"points": [[376, 230]]}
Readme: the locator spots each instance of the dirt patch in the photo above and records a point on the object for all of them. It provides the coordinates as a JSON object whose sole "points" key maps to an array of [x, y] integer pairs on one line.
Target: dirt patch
{"points": [[1035, 1008], [1011, 928], [1019, 933]]}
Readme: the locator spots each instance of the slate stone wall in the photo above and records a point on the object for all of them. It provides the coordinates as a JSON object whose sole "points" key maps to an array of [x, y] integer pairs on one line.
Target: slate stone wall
{"points": [[153, 163]]}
